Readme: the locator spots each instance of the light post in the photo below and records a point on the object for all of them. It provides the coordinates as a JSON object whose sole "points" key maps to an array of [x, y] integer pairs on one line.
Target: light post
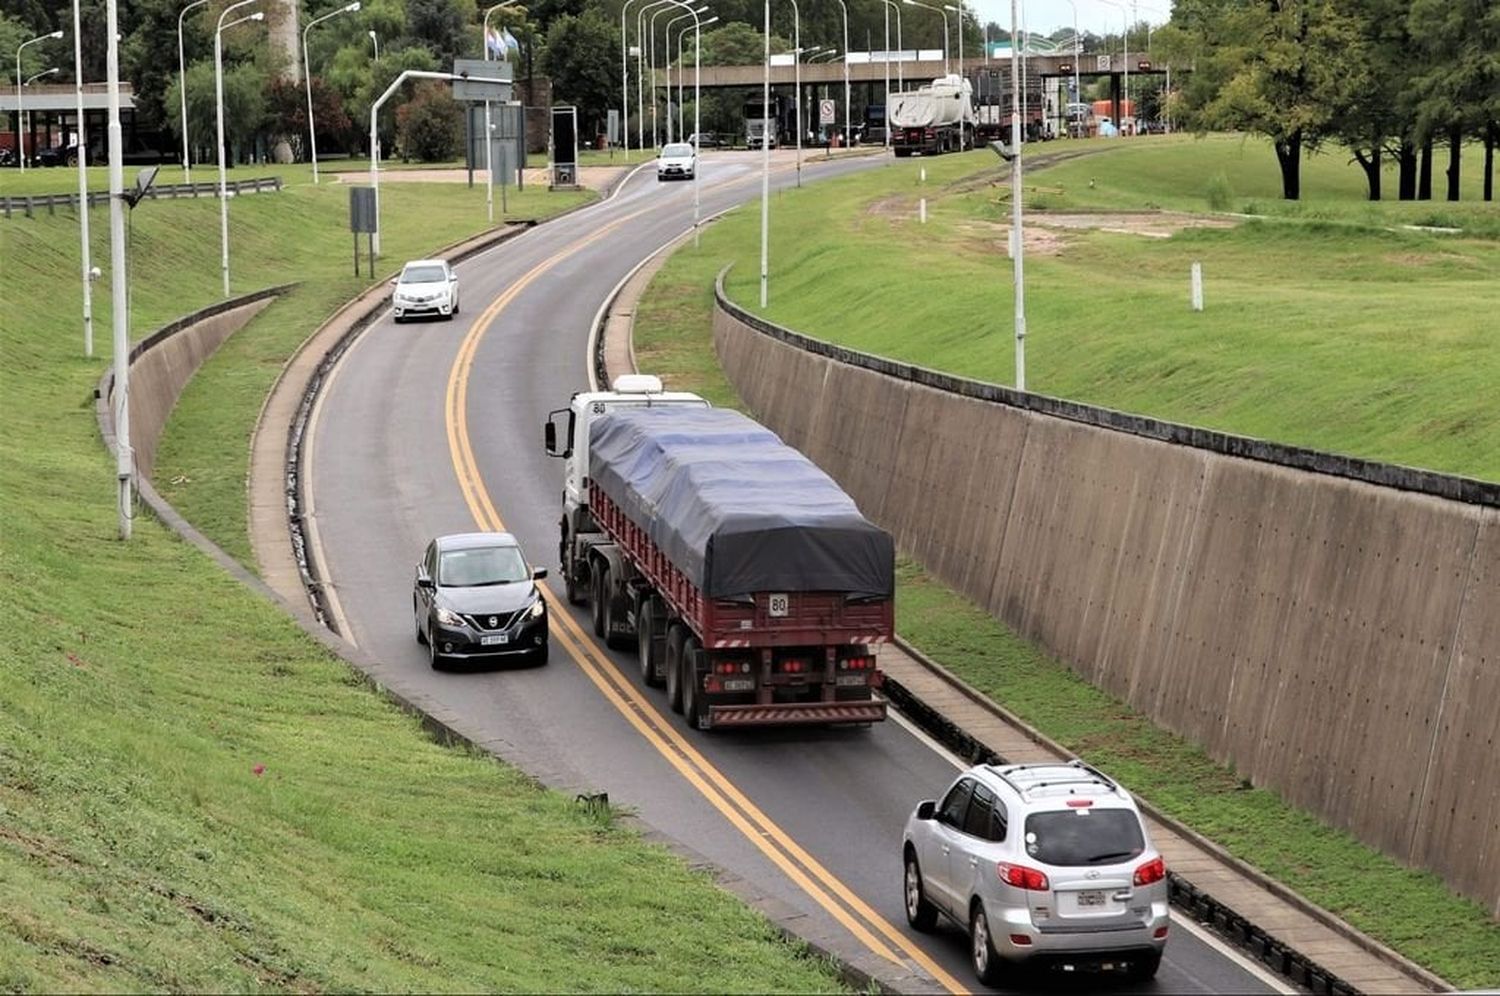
{"points": [[640, 74], [20, 131], [31, 79], [797, 80], [667, 58], [1077, 57], [765, 163], [83, 186], [406, 74], [489, 164], [959, 11], [891, 5], [118, 318], [939, 11], [312, 129], [1125, 40], [375, 40], [219, 107], [651, 67], [1013, 155], [624, 80], [845, 8], [187, 167], [682, 71]]}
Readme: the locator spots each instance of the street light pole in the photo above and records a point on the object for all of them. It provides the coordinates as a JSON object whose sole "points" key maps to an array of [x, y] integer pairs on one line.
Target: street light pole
{"points": [[640, 73], [959, 12], [312, 129], [940, 13], [1018, 243], [845, 8], [83, 186], [797, 79], [667, 58], [219, 107], [1077, 57], [891, 5], [32, 79], [489, 164], [187, 164], [119, 318], [21, 131], [765, 162]]}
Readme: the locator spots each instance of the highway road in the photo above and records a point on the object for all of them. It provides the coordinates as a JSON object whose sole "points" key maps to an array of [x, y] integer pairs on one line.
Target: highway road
{"points": [[430, 428]]}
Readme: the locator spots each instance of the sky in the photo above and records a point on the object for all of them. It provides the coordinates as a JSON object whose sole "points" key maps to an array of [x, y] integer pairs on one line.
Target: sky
{"points": [[1044, 16]]}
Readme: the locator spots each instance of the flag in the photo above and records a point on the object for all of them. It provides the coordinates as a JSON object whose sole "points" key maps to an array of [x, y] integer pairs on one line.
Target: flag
{"points": [[510, 44], [494, 45]]}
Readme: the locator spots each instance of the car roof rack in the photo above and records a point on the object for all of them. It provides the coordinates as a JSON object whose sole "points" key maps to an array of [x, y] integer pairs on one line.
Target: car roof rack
{"points": [[1087, 774]]}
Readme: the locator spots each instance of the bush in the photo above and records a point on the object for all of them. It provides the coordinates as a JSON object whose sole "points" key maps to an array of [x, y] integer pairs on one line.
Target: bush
{"points": [[430, 126], [1220, 195]]}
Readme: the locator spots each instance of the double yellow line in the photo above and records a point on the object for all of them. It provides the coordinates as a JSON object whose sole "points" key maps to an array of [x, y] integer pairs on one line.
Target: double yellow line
{"points": [[872, 930]]}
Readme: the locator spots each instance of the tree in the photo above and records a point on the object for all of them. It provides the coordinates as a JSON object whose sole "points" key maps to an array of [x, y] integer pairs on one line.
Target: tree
{"points": [[442, 26], [740, 44], [286, 112], [581, 57], [430, 126], [1454, 91]]}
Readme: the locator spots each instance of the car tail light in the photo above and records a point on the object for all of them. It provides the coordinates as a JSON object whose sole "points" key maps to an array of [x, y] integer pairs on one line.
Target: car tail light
{"points": [[1022, 877], [1080, 803], [1151, 872], [1160, 933]]}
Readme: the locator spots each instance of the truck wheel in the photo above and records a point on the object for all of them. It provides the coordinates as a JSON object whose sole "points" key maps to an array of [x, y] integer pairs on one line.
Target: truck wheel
{"points": [[675, 638], [571, 587], [612, 640], [693, 705], [601, 585], [645, 637]]}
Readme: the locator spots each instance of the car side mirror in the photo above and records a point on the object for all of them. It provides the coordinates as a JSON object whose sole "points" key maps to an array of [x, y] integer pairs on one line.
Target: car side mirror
{"points": [[926, 809], [393, 281], [549, 437], [423, 581], [452, 278], [538, 573]]}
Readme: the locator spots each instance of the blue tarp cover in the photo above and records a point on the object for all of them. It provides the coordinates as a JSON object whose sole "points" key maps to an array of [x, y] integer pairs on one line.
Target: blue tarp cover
{"points": [[734, 507]]}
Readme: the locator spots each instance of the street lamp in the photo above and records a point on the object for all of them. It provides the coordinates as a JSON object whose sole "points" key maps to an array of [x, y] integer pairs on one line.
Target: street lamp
{"points": [[960, 18], [219, 107], [20, 131], [312, 129], [375, 40], [939, 10], [682, 71], [1125, 39], [1077, 57], [697, 105], [651, 66], [797, 81], [32, 78], [765, 161], [625, 80], [187, 168], [640, 75], [667, 41], [86, 262], [1013, 155], [489, 140], [844, 7]]}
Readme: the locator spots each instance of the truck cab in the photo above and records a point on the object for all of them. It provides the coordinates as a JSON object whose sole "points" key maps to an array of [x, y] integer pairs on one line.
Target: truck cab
{"points": [[565, 435]]}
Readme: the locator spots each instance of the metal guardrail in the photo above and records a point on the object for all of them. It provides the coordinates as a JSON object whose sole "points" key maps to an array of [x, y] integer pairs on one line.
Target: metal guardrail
{"points": [[31, 204]]}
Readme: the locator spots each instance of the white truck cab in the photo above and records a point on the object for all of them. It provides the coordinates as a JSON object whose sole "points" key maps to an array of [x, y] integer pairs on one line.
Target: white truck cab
{"points": [[565, 435]]}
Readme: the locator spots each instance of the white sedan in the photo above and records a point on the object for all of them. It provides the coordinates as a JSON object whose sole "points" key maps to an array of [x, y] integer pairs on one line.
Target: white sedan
{"points": [[425, 287], [678, 161]]}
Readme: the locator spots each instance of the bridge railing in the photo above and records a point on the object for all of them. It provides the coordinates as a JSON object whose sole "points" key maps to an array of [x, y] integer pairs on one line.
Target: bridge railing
{"points": [[31, 204]]}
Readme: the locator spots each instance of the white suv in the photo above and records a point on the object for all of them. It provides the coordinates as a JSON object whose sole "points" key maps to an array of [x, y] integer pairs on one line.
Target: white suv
{"points": [[1043, 864]]}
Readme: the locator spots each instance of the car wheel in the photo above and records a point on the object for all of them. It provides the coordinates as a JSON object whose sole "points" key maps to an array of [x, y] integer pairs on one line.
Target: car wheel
{"points": [[434, 658], [1144, 968], [455, 304], [542, 654], [601, 585], [675, 638], [693, 705], [982, 949], [417, 617], [920, 913]]}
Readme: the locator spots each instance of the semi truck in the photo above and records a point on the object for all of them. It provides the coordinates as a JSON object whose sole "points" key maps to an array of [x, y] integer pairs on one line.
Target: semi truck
{"points": [[993, 102], [932, 119], [774, 122], [746, 581]]}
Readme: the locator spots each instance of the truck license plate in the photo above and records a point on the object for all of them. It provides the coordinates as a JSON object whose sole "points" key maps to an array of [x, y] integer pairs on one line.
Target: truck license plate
{"points": [[851, 679], [1091, 898], [490, 641], [739, 684], [777, 606]]}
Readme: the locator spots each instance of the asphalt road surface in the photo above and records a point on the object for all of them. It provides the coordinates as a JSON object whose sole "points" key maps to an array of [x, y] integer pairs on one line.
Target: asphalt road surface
{"points": [[435, 427]]}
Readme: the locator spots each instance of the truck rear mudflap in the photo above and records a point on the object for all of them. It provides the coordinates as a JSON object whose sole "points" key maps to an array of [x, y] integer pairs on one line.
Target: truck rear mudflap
{"points": [[797, 713]]}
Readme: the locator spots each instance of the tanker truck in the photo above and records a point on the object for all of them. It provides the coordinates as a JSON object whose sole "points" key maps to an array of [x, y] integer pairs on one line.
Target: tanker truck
{"points": [[745, 580], [932, 119]]}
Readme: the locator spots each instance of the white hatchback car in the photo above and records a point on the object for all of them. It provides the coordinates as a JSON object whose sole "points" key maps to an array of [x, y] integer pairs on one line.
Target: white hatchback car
{"points": [[425, 287], [678, 161], [1043, 864]]}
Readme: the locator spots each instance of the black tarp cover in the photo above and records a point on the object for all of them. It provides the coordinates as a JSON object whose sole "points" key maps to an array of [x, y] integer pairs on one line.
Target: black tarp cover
{"points": [[734, 507]]}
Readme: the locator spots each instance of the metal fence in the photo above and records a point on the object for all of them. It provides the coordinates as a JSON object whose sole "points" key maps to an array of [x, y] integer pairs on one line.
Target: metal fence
{"points": [[31, 205]]}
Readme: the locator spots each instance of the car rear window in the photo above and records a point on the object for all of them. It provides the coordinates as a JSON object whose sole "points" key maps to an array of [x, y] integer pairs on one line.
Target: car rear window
{"points": [[1073, 837], [423, 275]]}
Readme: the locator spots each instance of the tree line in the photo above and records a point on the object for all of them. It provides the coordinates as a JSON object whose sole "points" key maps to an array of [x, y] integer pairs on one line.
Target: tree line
{"points": [[1384, 79]]}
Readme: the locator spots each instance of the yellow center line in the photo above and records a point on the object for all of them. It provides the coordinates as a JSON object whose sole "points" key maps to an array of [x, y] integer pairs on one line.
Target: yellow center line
{"points": [[631, 703]]}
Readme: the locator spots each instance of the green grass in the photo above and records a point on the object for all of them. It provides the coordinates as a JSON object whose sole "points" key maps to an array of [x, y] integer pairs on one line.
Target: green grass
{"points": [[1330, 334], [193, 794], [1411, 911]]}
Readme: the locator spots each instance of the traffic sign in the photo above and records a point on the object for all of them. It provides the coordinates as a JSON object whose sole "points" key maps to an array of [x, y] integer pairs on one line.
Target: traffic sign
{"points": [[827, 112], [465, 89]]}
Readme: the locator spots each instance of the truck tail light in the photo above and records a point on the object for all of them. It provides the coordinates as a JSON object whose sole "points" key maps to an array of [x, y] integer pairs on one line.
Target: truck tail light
{"points": [[1022, 877], [1151, 872], [793, 666], [858, 663]]}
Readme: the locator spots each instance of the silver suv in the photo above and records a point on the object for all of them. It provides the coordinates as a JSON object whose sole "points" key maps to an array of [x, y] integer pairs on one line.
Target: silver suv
{"points": [[1043, 864]]}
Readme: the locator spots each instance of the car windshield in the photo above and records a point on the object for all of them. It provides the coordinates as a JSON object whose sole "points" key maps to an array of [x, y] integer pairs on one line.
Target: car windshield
{"points": [[422, 275], [480, 566], [677, 149], [1073, 837]]}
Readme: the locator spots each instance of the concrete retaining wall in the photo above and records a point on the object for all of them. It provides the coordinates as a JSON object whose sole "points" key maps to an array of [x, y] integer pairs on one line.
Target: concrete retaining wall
{"points": [[161, 366], [1328, 626]]}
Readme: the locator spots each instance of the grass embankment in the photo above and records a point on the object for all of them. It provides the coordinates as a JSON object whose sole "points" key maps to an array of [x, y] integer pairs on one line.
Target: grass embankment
{"points": [[1412, 911], [193, 795]]}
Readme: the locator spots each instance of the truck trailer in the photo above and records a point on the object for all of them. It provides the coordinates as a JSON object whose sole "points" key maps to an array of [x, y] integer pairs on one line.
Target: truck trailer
{"points": [[746, 581], [932, 119]]}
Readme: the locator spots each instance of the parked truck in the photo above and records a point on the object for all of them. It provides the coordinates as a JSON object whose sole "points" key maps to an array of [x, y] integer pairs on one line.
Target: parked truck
{"points": [[993, 99], [932, 119], [744, 578]]}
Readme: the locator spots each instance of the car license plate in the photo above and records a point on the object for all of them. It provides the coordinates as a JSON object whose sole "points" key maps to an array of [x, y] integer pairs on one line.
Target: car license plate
{"points": [[1092, 898], [852, 679], [739, 684], [496, 639]]}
